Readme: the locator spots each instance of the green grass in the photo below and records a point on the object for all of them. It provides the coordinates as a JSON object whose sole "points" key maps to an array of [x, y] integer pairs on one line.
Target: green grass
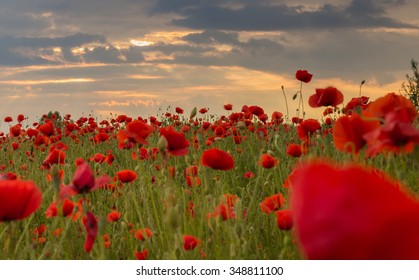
{"points": [[162, 206]]}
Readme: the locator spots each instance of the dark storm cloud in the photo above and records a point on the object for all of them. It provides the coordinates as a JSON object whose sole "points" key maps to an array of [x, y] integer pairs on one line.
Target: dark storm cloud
{"points": [[33, 51], [269, 16], [212, 36]]}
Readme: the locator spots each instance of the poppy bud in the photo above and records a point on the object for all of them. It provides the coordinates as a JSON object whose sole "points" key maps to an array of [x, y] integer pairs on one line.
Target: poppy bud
{"points": [[162, 144], [193, 113]]}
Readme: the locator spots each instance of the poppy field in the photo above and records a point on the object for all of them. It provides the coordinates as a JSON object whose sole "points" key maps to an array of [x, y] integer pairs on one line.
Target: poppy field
{"points": [[191, 185]]}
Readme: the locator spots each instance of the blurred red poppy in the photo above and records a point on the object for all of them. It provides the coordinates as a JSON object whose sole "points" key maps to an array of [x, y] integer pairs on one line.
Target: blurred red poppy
{"points": [[308, 127], [91, 226], [47, 128], [54, 157], [393, 136], [224, 211], [179, 110], [272, 203], [143, 255], [284, 219], [355, 103], [329, 96], [135, 132], [67, 207], [267, 161], [303, 76], [18, 199], [349, 131], [217, 159], [277, 117], [113, 216], [20, 118], [83, 181], [126, 176], [142, 234], [177, 144], [249, 174], [15, 130], [392, 102], [8, 119], [190, 242], [353, 212], [294, 150], [228, 107]]}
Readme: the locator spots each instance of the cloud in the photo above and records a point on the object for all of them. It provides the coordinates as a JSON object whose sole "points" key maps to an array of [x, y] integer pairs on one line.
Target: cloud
{"points": [[269, 16], [75, 48]]}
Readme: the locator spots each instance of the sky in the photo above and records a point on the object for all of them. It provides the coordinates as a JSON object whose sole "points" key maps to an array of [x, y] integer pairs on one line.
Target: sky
{"points": [[146, 57]]}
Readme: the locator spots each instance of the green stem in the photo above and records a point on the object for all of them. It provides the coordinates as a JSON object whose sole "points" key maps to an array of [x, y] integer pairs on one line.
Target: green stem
{"points": [[286, 102]]}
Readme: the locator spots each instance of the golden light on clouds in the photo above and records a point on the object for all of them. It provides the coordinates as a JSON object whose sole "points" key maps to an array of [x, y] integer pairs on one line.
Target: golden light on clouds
{"points": [[123, 93], [140, 43], [39, 82], [144, 77], [172, 37], [114, 103]]}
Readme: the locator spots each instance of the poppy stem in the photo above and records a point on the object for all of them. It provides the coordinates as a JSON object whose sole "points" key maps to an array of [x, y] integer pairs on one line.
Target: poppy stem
{"points": [[286, 102], [360, 86], [301, 101]]}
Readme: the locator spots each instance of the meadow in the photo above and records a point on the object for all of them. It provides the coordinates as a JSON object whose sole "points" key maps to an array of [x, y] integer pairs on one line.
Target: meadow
{"points": [[191, 185]]}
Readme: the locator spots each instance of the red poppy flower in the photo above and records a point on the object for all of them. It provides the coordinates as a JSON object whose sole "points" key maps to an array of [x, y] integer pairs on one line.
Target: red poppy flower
{"points": [[113, 216], [303, 76], [267, 161], [126, 176], [329, 96], [352, 212], [83, 181], [15, 130], [135, 132], [8, 119], [284, 219], [294, 150], [142, 234], [203, 110], [393, 136], [297, 120], [307, 128], [18, 199], [217, 159], [356, 102], [272, 203], [90, 224], [56, 156], [224, 211], [230, 199], [20, 118], [39, 230], [190, 242], [249, 174], [193, 181], [47, 128], [191, 170], [256, 110], [177, 144], [328, 111], [100, 137], [179, 110], [106, 241], [143, 255], [277, 117], [228, 107], [349, 131], [392, 102], [67, 207]]}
